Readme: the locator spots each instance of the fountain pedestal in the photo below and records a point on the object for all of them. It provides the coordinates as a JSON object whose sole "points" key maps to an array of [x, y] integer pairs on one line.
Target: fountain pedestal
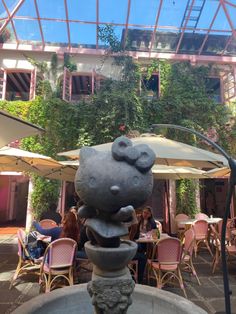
{"points": [[111, 285]]}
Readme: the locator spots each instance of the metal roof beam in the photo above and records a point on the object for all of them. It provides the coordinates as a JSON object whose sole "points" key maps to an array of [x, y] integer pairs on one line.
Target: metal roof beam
{"points": [[67, 23], [230, 3], [156, 23], [97, 22], [127, 23], [184, 28], [230, 23], [210, 27], [228, 18], [13, 12], [12, 24], [227, 44], [39, 21]]}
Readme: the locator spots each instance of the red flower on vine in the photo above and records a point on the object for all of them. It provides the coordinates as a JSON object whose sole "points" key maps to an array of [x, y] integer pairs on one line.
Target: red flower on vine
{"points": [[122, 127]]}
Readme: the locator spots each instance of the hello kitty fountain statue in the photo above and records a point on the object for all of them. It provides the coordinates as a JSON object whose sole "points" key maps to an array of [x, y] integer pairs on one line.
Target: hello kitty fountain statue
{"points": [[111, 185]]}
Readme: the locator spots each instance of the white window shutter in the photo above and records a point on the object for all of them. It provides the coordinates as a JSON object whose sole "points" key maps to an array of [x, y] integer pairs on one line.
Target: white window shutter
{"points": [[67, 81], [32, 84], [3, 83]]}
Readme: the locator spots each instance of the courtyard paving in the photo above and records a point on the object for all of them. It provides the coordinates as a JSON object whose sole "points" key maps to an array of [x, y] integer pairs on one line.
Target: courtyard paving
{"points": [[209, 296]]}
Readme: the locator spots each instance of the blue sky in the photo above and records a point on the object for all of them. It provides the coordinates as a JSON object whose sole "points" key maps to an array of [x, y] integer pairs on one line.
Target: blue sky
{"points": [[142, 12]]}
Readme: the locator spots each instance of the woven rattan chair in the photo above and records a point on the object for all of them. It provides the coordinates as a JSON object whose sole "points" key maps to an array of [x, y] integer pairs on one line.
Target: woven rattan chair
{"points": [[167, 265], [187, 261], [26, 264], [58, 264]]}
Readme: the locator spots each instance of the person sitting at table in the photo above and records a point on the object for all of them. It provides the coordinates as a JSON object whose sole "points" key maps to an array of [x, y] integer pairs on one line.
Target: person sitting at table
{"points": [[68, 229], [146, 221], [140, 255]]}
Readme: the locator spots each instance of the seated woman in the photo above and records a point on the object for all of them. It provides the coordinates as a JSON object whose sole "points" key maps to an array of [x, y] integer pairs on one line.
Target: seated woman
{"points": [[68, 229], [140, 256], [146, 221]]}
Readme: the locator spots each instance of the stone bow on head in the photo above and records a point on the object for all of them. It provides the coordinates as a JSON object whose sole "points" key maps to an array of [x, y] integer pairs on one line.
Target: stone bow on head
{"points": [[141, 156]]}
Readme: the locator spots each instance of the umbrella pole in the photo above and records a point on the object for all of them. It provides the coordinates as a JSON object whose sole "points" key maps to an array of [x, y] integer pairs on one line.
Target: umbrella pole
{"points": [[232, 183]]}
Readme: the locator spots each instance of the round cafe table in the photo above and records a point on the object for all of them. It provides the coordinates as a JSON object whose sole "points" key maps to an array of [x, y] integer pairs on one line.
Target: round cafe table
{"points": [[151, 243], [189, 222]]}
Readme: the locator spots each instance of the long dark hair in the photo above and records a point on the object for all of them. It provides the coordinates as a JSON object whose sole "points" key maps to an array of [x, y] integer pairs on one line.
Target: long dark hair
{"points": [[70, 227], [141, 221]]}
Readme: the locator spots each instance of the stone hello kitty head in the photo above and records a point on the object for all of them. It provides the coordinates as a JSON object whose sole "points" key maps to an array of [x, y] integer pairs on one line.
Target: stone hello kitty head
{"points": [[108, 180]]}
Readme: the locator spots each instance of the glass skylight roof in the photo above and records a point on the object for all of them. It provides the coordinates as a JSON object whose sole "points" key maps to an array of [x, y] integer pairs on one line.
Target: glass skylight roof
{"points": [[199, 27]]}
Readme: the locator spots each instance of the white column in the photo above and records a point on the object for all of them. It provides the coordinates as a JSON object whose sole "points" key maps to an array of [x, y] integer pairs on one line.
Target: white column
{"points": [[62, 198], [198, 203], [12, 200], [172, 200], [29, 214]]}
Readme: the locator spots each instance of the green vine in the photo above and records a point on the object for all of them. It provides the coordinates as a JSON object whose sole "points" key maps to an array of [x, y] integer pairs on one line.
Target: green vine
{"points": [[60, 121], [118, 108], [186, 197]]}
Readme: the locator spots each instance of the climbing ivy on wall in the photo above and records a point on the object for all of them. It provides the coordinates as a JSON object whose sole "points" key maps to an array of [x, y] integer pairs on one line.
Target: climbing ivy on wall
{"points": [[60, 121], [118, 108], [186, 197]]}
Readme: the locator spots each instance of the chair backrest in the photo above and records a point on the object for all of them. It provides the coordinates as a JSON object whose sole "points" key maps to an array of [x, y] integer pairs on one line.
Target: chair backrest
{"points": [[47, 223], [169, 250], [189, 239], [61, 253], [201, 216], [228, 226], [180, 217], [200, 227], [216, 237], [22, 251]]}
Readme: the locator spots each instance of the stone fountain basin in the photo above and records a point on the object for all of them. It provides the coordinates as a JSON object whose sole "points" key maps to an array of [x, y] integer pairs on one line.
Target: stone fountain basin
{"points": [[111, 259], [75, 299]]}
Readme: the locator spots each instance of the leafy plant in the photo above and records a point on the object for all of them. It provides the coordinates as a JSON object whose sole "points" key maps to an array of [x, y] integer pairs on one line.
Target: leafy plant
{"points": [[186, 197], [60, 121], [68, 63], [107, 35]]}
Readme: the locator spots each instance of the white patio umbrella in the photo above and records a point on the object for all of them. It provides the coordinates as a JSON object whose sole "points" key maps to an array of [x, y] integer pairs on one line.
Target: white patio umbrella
{"points": [[159, 171], [13, 128], [14, 159], [219, 172], [168, 152], [176, 173], [64, 173]]}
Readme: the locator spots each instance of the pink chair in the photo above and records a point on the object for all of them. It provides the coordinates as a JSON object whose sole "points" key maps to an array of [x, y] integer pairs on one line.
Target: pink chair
{"points": [[201, 216], [180, 226], [228, 236], [230, 249], [25, 263], [187, 261], [48, 223], [58, 262], [200, 228], [167, 266]]}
